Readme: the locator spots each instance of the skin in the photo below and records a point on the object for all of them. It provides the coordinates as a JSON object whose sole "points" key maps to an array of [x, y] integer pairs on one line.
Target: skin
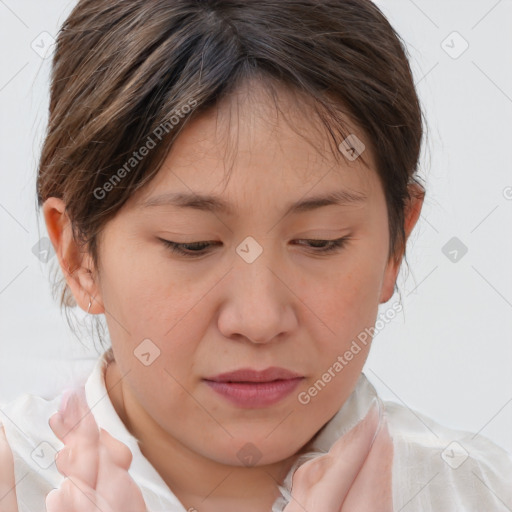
{"points": [[94, 463], [291, 307], [8, 499], [355, 475]]}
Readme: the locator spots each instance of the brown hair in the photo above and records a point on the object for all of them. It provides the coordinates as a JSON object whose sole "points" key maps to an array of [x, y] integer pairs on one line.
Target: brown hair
{"points": [[125, 71]]}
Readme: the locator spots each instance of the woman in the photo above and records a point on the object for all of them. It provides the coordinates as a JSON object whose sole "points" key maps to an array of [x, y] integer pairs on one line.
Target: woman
{"points": [[240, 302]]}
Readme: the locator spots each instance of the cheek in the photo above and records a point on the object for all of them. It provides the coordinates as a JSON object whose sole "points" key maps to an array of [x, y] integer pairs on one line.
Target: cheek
{"points": [[149, 314], [345, 301], [144, 292]]}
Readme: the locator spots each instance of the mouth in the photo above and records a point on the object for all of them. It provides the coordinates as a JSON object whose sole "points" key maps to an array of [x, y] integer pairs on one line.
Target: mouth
{"points": [[248, 388]]}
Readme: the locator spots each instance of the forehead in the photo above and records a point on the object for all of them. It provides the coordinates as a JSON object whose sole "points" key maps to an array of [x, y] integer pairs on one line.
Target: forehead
{"points": [[263, 147]]}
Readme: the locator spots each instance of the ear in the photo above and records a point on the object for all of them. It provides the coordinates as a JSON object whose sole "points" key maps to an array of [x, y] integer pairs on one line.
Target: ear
{"points": [[411, 216], [76, 264]]}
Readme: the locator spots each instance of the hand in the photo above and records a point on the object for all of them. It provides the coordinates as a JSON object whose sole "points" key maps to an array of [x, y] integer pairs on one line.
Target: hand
{"points": [[94, 463], [8, 500], [354, 476]]}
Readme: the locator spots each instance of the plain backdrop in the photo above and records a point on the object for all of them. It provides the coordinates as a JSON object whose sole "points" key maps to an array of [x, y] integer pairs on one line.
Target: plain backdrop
{"points": [[448, 354]]}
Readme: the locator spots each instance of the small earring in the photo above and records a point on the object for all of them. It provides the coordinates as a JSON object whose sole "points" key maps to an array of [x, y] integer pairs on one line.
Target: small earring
{"points": [[89, 308]]}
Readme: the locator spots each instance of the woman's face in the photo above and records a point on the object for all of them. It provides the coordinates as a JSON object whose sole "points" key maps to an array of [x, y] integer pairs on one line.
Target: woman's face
{"points": [[259, 296]]}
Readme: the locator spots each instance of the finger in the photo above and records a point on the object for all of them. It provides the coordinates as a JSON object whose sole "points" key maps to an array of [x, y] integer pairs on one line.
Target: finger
{"points": [[114, 483], [8, 500], [79, 461], [121, 492], [322, 484], [118, 452], [76, 427], [74, 419], [372, 488], [116, 486], [57, 501], [70, 460], [74, 495]]}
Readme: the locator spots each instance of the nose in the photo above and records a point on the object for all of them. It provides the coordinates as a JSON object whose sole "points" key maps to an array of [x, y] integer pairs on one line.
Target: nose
{"points": [[259, 306]]}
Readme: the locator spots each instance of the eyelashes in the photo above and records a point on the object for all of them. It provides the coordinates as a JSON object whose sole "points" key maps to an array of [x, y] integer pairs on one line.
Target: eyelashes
{"points": [[196, 249]]}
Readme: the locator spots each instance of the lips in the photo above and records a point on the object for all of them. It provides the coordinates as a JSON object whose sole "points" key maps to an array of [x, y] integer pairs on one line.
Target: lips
{"points": [[249, 389], [250, 375]]}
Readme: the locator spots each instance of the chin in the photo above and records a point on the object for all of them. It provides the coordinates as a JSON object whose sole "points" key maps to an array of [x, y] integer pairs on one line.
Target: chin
{"points": [[250, 453]]}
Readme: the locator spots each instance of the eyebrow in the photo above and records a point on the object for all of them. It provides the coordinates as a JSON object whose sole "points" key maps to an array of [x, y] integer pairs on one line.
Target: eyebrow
{"points": [[214, 204]]}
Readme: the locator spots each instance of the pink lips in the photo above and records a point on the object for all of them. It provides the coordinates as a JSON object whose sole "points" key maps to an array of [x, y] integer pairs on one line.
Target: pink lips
{"points": [[248, 388]]}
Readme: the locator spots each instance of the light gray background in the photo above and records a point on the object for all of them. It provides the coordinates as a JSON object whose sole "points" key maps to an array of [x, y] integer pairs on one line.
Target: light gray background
{"points": [[449, 353]]}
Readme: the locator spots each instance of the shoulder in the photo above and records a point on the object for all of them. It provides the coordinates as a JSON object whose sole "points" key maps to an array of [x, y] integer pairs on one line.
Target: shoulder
{"points": [[437, 467]]}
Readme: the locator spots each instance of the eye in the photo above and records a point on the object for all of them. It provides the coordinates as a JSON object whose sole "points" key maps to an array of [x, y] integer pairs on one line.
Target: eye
{"points": [[327, 246], [192, 249], [195, 249]]}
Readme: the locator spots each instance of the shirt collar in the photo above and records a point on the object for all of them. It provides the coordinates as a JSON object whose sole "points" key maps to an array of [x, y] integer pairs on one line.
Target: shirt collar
{"points": [[155, 490], [156, 493]]}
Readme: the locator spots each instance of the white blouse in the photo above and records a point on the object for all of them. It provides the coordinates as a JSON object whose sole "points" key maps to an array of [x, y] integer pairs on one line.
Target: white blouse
{"points": [[435, 469]]}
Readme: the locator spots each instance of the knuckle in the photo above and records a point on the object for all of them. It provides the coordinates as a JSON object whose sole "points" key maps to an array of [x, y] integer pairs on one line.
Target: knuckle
{"points": [[119, 453]]}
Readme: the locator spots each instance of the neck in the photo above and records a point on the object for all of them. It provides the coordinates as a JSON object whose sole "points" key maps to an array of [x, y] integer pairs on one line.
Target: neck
{"points": [[198, 482]]}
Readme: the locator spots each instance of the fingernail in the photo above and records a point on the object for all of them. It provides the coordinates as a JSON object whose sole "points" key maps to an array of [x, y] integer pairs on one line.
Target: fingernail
{"points": [[64, 400], [69, 406]]}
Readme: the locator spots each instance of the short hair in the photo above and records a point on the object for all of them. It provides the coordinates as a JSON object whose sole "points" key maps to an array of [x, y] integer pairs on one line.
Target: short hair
{"points": [[122, 70]]}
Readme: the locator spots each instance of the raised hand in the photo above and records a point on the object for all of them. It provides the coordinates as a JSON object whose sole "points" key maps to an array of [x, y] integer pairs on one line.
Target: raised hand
{"points": [[8, 500], [354, 476], [94, 463]]}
